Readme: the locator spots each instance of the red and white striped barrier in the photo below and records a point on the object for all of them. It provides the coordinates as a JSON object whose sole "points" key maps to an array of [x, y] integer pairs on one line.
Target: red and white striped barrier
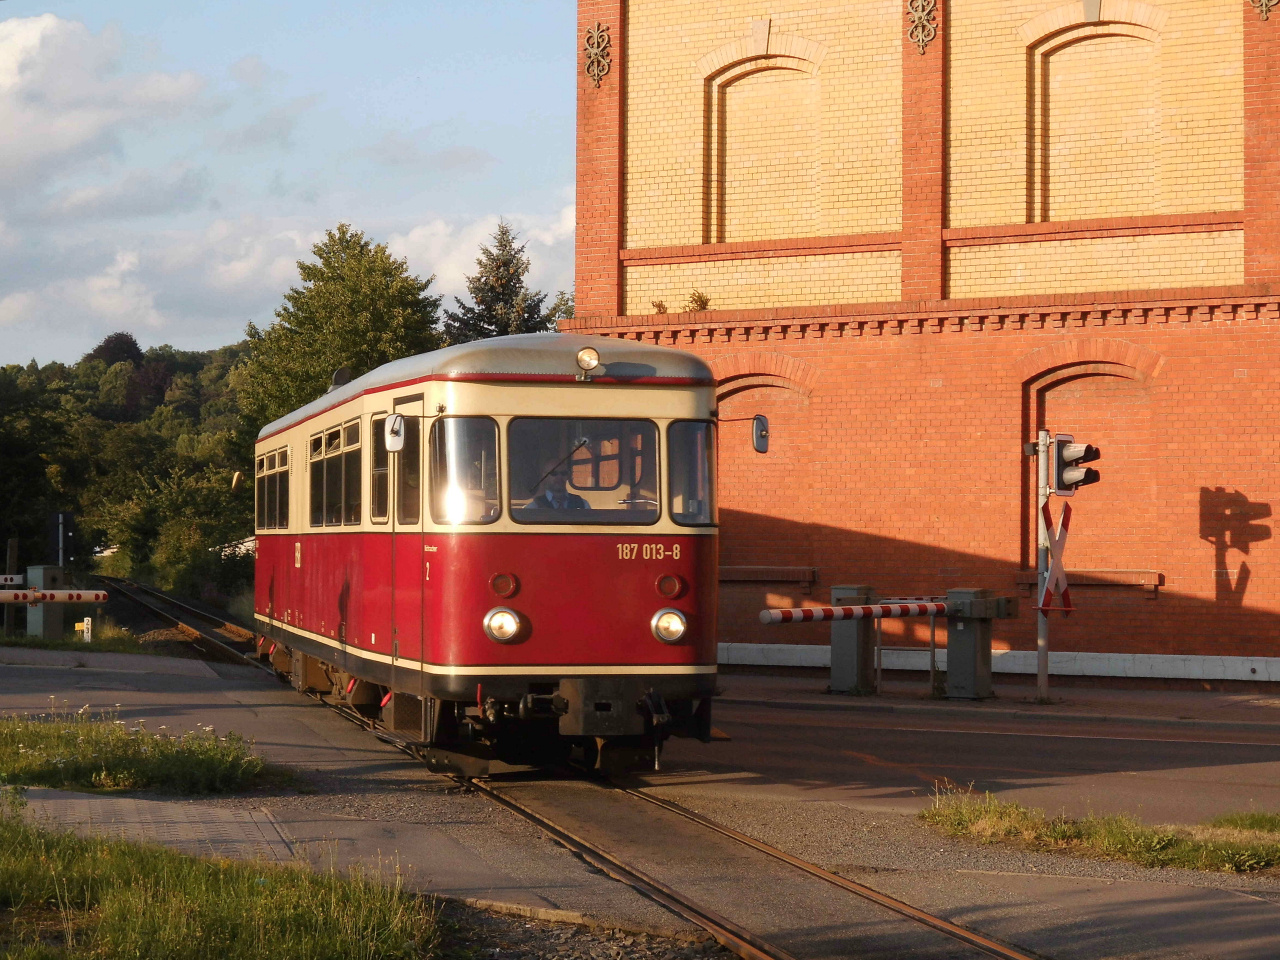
{"points": [[875, 611], [11, 579], [53, 596]]}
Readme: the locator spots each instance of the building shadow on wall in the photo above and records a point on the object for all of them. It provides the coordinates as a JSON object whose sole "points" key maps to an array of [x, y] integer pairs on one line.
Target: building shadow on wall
{"points": [[1112, 616], [1228, 520]]}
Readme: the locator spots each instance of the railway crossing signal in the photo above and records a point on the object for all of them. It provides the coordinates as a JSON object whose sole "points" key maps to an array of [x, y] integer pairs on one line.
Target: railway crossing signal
{"points": [[1068, 457]]}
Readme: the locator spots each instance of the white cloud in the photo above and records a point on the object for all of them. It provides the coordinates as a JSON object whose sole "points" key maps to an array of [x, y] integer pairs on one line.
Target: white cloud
{"points": [[272, 130], [449, 250], [64, 101], [140, 193], [397, 150]]}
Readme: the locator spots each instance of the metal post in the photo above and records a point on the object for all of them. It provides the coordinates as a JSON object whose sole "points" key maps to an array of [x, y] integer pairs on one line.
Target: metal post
{"points": [[933, 656], [879, 654], [1042, 565], [10, 567], [62, 539], [852, 644]]}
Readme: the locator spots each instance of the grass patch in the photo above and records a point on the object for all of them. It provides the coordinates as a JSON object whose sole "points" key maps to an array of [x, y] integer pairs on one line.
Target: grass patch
{"points": [[66, 750], [64, 897], [108, 637], [1238, 843]]}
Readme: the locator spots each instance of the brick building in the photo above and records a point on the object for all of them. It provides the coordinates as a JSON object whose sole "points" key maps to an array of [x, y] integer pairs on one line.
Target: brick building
{"points": [[927, 228]]}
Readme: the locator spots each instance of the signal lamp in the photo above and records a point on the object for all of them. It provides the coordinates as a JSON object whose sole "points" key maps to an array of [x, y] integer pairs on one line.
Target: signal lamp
{"points": [[1068, 457], [669, 625]]}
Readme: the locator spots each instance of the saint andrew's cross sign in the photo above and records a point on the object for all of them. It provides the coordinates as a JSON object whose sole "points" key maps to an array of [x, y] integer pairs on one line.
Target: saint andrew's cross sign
{"points": [[1055, 581]]}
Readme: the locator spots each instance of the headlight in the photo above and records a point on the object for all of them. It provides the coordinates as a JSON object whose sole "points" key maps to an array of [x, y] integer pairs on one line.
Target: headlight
{"points": [[502, 625], [669, 625], [588, 359]]}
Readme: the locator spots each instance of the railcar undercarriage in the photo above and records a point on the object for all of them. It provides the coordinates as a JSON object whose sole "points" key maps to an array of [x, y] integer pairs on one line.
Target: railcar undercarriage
{"points": [[606, 723]]}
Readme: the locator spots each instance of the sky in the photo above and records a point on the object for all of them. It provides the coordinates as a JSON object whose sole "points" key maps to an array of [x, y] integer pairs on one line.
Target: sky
{"points": [[166, 164]]}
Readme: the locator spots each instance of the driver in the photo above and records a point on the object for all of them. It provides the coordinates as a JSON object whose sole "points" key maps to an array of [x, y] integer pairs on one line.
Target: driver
{"points": [[553, 488]]}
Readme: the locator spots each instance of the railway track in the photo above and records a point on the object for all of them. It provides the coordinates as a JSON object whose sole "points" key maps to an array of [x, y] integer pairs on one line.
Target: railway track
{"points": [[725, 931]]}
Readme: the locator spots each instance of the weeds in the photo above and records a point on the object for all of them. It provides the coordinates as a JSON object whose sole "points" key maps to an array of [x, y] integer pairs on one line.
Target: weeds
{"points": [[1239, 843], [108, 637], [78, 749], [73, 898]]}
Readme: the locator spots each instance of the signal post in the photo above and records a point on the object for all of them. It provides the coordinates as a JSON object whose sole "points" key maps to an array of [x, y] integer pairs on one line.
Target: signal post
{"points": [[1068, 473]]}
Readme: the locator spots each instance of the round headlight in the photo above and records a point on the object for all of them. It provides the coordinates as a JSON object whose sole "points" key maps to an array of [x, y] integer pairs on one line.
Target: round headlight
{"points": [[669, 625], [588, 359], [502, 625]]}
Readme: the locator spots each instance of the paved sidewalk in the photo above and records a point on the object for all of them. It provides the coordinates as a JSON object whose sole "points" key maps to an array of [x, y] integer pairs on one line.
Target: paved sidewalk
{"points": [[105, 662], [196, 829], [1175, 708]]}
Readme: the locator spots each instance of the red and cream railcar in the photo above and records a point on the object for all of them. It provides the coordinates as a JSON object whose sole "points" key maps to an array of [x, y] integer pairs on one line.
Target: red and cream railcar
{"points": [[503, 545]]}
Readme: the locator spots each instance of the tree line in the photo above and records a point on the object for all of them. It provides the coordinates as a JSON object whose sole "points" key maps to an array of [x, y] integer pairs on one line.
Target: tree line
{"points": [[141, 445]]}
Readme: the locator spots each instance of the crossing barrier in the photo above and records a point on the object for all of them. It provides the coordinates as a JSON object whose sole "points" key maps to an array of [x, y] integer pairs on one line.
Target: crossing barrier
{"points": [[856, 646]]}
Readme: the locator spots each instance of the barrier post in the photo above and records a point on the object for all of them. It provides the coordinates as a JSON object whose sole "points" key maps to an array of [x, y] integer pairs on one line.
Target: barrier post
{"points": [[11, 568], [969, 643], [46, 620], [853, 645]]}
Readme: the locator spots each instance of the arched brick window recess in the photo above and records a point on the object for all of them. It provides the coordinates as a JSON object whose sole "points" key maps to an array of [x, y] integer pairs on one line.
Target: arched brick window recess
{"points": [[741, 372], [1093, 136], [739, 67], [1041, 371]]}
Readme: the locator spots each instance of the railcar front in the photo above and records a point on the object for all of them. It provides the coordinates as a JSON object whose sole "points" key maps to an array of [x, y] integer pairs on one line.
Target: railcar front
{"points": [[511, 547]]}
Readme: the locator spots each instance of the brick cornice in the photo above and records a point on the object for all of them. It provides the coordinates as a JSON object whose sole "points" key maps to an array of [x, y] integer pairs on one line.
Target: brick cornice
{"points": [[1138, 307]]}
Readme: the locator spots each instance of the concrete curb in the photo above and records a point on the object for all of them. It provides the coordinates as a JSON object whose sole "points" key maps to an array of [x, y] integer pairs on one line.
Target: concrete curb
{"points": [[1004, 713]]}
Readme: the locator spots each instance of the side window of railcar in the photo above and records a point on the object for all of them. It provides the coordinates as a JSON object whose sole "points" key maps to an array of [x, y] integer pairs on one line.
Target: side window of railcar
{"points": [[691, 458], [379, 475], [409, 474], [464, 470], [583, 470], [272, 490], [335, 476]]}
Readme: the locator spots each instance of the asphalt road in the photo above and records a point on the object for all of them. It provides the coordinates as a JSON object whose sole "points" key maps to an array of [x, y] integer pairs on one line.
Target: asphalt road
{"points": [[887, 762]]}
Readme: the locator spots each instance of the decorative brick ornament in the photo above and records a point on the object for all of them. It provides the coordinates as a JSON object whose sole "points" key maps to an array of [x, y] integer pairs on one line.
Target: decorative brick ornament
{"points": [[1264, 7], [924, 28], [597, 50]]}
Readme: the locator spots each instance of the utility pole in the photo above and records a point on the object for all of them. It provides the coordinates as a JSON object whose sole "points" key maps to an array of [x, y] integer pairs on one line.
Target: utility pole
{"points": [[1042, 565], [10, 567]]}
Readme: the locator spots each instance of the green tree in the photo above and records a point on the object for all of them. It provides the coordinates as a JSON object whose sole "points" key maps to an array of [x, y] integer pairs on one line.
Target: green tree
{"points": [[503, 304], [357, 307], [561, 309]]}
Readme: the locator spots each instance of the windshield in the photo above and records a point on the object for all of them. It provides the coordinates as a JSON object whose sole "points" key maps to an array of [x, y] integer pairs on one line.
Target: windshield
{"points": [[464, 470], [691, 452], [583, 471]]}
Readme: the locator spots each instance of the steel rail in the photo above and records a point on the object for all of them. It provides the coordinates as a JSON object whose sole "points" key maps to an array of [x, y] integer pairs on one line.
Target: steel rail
{"points": [[727, 933], [222, 624], [210, 644], [724, 931], [978, 941]]}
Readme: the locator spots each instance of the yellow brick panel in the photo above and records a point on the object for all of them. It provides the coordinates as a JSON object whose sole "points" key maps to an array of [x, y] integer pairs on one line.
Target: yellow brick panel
{"points": [[766, 282], [1183, 93], [1102, 152], [772, 170], [842, 118], [1111, 263]]}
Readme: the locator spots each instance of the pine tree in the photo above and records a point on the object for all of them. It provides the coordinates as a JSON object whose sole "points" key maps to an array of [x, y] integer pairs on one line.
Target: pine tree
{"points": [[358, 307], [503, 304]]}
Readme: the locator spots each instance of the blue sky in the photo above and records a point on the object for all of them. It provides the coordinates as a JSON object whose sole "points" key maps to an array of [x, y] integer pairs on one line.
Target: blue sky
{"points": [[166, 164]]}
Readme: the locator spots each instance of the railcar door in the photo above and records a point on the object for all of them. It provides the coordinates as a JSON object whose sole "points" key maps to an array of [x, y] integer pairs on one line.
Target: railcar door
{"points": [[406, 540]]}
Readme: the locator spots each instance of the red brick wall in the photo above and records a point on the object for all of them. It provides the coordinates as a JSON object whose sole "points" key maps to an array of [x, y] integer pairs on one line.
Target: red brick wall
{"points": [[897, 428], [924, 173], [598, 280], [1261, 146]]}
